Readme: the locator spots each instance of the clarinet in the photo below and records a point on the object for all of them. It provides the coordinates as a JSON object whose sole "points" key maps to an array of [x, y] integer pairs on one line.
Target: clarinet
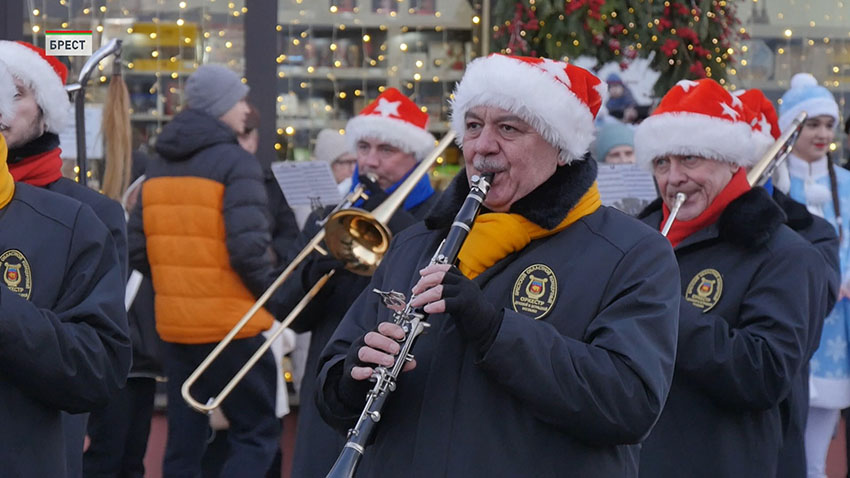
{"points": [[413, 321]]}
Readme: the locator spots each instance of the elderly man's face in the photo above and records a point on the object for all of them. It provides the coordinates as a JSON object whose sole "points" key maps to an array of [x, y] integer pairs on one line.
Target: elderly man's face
{"points": [[498, 141], [701, 179], [28, 123], [383, 160]]}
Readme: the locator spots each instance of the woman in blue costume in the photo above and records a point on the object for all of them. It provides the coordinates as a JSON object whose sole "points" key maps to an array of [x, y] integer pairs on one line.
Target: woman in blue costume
{"points": [[812, 179]]}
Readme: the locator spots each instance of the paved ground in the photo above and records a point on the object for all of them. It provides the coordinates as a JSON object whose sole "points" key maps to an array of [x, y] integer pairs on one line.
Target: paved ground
{"points": [[836, 462]]}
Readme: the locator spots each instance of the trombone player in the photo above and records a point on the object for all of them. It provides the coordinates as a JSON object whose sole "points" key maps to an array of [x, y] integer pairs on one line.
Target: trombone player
{"points": [[749, 286], [532, 366], [389, 137]]}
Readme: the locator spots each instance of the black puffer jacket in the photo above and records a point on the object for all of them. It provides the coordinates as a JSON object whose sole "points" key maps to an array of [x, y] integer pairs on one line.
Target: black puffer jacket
{"points": [[201, 165]]}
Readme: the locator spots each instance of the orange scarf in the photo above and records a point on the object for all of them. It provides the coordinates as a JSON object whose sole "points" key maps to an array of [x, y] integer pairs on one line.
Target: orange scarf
{"points": [[496, 235], [7, 183], [680, 230]]}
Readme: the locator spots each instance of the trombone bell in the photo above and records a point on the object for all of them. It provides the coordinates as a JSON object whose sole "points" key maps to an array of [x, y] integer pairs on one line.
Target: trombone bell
{"points": [[357, 239]]}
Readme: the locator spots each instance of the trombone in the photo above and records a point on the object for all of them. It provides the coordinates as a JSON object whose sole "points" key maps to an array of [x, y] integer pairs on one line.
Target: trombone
{"points": [[777, 153], [356, 237]]}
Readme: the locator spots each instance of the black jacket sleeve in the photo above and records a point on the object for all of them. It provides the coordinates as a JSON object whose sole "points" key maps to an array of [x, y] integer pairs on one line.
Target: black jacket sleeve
{"points": [[76, 355], [749, 365], [111, 214], [284, 228], [137, 250], [246, 223]]}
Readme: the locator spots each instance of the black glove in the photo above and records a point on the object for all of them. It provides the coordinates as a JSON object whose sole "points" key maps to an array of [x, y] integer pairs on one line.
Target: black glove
{"points": [[476, 318], [317, 266], [375, 193], [353, 392]]}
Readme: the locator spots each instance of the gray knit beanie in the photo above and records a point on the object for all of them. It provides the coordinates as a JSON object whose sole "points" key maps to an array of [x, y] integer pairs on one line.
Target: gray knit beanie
{"points": [[214, 89]]}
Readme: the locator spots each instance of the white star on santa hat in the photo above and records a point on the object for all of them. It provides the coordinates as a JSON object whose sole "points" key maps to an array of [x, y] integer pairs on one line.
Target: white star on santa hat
{"points": [[387, 108], [556, 69], [765, 125], [736, 102], [687, 84], [728, 110]]}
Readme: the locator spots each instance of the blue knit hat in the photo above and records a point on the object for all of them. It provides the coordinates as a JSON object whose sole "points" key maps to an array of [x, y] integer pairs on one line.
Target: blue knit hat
{"points": [[611, 135], [806, 95]]}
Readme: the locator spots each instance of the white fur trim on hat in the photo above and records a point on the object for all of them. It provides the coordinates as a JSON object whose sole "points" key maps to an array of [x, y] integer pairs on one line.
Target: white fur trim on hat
{"points": [[27, 66], [534, 95], [813, 107], [399, 133], [694, 134], [7, 95]]}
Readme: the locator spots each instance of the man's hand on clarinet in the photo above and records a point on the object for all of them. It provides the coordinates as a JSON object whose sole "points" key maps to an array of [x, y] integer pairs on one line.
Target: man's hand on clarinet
{"points": [[443, 288], [380, 347]]}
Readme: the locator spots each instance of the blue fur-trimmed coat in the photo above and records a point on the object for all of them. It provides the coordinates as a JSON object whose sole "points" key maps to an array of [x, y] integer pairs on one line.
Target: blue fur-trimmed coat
{"points": [[569, 395], [738, 359]]}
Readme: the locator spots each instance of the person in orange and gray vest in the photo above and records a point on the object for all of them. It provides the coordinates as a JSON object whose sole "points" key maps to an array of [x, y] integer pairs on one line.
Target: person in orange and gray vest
{"points": [[201, 232], [43, 111], [64, 345]]}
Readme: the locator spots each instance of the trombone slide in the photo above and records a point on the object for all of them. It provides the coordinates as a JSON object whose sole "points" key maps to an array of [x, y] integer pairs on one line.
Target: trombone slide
{"points": [[215, 402]]}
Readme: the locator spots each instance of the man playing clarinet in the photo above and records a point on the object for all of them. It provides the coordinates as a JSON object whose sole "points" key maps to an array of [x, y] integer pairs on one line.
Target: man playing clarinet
{"points": [[552, 339]]}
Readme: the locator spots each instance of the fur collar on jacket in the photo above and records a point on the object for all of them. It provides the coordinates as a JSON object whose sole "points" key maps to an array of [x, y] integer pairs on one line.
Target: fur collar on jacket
{"points": [[799, 217], [546, 206], [748, 221]]}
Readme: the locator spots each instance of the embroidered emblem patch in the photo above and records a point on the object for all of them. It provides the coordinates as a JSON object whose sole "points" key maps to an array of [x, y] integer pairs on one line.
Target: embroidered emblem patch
{"points": [[705, 289], [16, 272], [535, 291]]}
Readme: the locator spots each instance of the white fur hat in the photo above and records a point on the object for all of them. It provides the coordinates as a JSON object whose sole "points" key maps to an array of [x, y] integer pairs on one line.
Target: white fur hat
{"points": [[560, 101], [46, 76], [7, 94]]}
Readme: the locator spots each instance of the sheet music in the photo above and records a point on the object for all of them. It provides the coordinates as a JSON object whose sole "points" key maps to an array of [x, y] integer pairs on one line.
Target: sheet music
{"points": [[627, 187], [306, 183], [94, 135]]}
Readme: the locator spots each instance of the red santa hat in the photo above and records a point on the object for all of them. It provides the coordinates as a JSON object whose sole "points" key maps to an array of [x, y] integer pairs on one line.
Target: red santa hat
{"points": [[45, 75], [7, 95], [764, 120], [558, 100], [698, 118], [395, 119]]}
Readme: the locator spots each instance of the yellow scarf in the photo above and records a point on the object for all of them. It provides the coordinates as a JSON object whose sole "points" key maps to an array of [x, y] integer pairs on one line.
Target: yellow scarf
{"points": [[7, 183], [496, 235]]}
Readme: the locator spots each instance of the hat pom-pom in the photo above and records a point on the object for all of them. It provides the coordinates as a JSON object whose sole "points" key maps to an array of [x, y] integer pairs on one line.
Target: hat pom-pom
{"points": [[803, 80]]}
